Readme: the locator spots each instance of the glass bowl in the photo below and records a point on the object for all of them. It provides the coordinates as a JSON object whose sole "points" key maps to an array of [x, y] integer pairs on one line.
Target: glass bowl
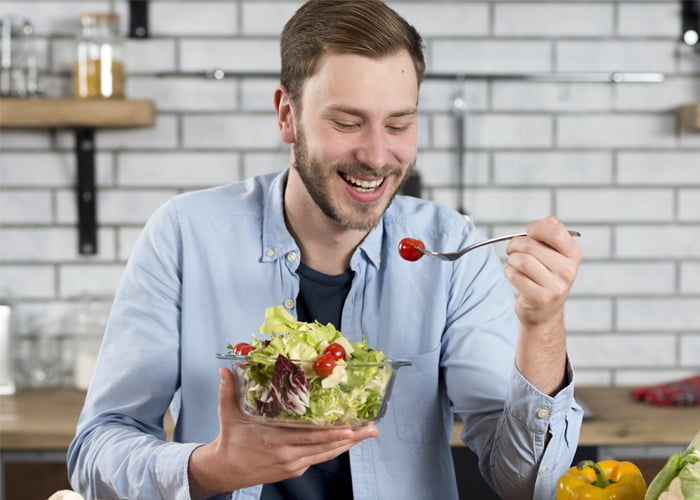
{"points": [[285, 392]]}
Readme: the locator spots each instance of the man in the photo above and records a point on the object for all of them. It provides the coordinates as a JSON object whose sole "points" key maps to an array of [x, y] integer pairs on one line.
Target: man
{"points": [[321, 238]]}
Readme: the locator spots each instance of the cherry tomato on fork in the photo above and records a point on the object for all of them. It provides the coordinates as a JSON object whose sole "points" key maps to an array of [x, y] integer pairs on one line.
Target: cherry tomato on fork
{"points": [[408, 249]]}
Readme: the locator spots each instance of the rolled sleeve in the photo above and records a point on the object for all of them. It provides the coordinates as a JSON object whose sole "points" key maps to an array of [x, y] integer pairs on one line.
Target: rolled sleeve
{"points": [[171, 470], [558, 415]]}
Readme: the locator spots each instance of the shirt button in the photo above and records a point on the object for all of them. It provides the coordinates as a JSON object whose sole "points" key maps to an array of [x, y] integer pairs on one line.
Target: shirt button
{"points": [[542, 413], [378, 260], [544, 470], [292, 256], [289, 304], [270, 253]]}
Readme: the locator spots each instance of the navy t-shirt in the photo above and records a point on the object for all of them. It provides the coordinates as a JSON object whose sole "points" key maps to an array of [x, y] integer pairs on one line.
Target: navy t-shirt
{"points": [[321, 298]]}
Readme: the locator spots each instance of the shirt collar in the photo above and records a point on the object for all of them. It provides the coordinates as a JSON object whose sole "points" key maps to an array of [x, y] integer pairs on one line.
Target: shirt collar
{"points": [[276, 239], [371, 247], [278, 242]]}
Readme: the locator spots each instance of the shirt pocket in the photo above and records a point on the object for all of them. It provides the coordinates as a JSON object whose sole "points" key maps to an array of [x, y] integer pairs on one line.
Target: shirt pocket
{"points": [[416, 399]]}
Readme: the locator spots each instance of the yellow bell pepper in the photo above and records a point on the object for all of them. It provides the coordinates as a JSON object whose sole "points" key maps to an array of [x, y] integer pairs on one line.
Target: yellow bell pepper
{"points": [[605, 480]]}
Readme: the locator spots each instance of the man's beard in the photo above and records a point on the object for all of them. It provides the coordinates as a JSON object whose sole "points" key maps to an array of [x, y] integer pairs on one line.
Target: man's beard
{"points": [[316, 179]]}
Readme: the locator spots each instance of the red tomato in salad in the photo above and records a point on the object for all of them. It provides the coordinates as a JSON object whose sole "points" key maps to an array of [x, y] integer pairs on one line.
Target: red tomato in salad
{"points": [[324, 365], [243, 348], [336, 350], [408, 249]]}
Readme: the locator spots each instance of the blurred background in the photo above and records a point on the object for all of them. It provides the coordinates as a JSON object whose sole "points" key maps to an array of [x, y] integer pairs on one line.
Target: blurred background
{"points": [[570, 108], [609, 159]]}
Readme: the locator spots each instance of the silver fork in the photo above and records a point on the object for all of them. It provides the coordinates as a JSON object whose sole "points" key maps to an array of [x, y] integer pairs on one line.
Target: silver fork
{"points": [[456, 255]]}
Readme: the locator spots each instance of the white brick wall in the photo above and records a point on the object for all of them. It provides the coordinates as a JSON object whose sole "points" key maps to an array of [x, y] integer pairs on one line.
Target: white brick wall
{"points": [[454, 19], [659, 314], [185, 94], [608, 159], [489, 56], [613, 55], [177, 19], [652, 19], [177, 169], [558, 20]]}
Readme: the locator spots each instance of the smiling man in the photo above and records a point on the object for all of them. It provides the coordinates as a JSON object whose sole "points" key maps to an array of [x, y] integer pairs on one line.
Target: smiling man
{"points": [[320, 238], [354, 144]]}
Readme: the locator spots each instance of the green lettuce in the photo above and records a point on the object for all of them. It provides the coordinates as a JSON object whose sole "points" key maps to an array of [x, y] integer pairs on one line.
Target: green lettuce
{"points": [[280, 382]]}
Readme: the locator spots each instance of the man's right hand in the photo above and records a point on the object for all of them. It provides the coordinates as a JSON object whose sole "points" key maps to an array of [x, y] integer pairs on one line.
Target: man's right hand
{"points": [[245, 453]]}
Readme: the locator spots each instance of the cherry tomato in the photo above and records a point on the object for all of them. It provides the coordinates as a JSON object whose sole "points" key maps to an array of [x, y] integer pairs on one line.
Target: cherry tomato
{"points": [[243, 348], [408, 249], [335, 350], [324, 365]]}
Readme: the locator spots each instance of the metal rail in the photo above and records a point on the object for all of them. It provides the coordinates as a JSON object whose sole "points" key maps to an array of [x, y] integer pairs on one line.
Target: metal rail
{"points": [[557, 77]]}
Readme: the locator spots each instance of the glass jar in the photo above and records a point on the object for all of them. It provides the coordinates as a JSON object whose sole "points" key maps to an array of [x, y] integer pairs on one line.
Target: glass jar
{"points": [[99, 68]]}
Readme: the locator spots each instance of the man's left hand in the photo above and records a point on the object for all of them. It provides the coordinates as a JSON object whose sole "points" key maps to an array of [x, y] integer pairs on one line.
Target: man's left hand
{"points": [[542, 267]]}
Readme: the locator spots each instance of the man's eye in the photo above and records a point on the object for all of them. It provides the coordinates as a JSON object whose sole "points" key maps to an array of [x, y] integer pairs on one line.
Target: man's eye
{"points": [[398, 128], [345, 126]]}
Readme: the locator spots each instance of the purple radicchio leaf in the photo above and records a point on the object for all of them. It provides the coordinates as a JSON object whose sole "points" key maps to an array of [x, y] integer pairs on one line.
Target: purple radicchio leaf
{"points": [[266, 404], [290, 389]]}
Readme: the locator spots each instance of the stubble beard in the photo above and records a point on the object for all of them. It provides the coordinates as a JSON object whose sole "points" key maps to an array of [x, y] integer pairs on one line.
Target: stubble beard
{"points": [[317, 180]]}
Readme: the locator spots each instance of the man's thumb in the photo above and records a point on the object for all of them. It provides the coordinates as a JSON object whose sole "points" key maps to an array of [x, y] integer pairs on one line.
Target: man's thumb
{"points": [[228, 406]]}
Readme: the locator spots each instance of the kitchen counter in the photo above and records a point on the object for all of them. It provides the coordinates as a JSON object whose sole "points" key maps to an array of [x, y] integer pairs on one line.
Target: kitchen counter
{"points": [[46, 420], [43, 420], [618, 420], [39, 419]]}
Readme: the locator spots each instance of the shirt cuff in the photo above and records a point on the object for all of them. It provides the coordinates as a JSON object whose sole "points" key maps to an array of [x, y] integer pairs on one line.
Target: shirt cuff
{"points": [[536, 410], [171, 470]]}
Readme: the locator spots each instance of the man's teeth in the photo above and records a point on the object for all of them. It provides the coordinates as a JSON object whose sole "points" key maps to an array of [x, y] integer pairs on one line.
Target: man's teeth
{"points": [[362, 185]]}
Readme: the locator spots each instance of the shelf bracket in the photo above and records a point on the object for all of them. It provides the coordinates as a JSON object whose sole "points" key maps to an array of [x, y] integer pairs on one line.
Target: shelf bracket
{"points": [[138, 19], [87, 219], [690, 30]]}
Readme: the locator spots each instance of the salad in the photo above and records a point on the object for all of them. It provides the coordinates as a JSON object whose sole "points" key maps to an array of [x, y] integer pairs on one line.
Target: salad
{"points": [[310, 373]]}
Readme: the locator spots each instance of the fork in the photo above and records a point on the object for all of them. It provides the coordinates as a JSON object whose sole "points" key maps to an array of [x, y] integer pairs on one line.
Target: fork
{"points": [[456, 255]]}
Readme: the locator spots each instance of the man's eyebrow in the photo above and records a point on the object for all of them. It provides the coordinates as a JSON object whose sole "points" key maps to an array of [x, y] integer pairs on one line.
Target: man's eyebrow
{"points": [[362, 114]]}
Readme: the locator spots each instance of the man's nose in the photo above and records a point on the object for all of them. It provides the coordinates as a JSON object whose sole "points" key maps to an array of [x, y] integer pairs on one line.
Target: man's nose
{"points": [[374, 150]]}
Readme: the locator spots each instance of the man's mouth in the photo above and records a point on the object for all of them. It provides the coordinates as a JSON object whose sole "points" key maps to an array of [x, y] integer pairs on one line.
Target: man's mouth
{"points": [[361, 184]]}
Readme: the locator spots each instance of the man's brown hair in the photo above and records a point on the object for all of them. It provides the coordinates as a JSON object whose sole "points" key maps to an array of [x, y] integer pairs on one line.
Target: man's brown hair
{"points": [[363, 27]]}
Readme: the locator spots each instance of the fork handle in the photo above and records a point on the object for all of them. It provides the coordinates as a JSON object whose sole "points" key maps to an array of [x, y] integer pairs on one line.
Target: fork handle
{"points": [[508, 237]]}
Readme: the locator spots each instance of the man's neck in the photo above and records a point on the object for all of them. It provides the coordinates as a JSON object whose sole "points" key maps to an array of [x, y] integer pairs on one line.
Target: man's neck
{"points": [[325, 247], [331, 259]]}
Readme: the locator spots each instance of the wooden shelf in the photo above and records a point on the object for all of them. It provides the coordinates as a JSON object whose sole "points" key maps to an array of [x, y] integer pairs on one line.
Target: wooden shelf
{"points": [[55, 113], [690, 116], [84, 116]]}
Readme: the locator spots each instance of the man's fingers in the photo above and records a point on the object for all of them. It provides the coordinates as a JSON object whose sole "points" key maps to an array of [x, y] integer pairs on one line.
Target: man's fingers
{"points": [[301, 456], [324, 436], [552, 232]]}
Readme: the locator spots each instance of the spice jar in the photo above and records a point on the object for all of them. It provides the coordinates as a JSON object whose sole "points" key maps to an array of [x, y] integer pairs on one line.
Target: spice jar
{"points": [[99, 68]]}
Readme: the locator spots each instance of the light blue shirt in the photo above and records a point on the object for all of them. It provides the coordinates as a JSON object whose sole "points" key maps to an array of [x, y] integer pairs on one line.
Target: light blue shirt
{"points": [[203, 272]]}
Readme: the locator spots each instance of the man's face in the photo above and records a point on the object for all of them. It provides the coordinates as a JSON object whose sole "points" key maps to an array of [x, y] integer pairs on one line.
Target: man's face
{"points": [[355, 141]]}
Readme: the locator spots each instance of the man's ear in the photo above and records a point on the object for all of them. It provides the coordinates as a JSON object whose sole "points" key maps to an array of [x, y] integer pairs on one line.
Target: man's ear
{"points": [[285, 114]]}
